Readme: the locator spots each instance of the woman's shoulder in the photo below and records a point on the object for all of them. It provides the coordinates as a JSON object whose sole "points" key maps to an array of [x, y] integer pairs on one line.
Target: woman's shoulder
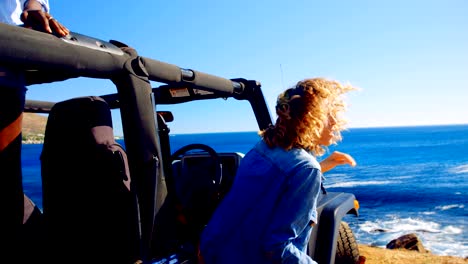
{"points": [[305, 158], [288, 159]]}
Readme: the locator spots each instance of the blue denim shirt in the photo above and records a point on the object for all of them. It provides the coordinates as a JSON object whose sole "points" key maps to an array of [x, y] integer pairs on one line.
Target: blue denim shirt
{"points": [[267, 216]]}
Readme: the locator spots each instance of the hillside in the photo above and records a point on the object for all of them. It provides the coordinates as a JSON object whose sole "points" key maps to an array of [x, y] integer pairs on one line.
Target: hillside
{"points": [[33, 127]]}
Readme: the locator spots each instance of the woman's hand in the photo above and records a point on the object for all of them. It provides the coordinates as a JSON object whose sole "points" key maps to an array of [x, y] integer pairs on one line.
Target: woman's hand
{"points": [[335, 159]]}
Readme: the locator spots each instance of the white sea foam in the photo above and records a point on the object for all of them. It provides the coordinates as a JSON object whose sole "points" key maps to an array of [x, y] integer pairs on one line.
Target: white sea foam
{"points": [[441, 240], [337, 175], [459, 169], [452, 230], [403, 177], [447, 248], [450, 206], [358, 183], [410, 224]]}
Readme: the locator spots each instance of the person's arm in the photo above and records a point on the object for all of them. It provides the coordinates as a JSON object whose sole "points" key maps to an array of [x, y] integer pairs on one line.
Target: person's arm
{"points": [[35, 5], [335, 159], [35, 15]]}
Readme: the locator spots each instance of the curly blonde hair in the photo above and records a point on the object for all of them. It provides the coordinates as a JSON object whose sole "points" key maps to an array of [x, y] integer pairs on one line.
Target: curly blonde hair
{"points": [[303, 111]]}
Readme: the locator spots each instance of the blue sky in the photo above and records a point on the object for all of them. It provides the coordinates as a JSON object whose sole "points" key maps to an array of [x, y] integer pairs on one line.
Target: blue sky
{"points": [[410, 58]]}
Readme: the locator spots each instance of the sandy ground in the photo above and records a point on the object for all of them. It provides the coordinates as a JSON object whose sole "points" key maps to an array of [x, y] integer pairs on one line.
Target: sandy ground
{"points": [[376, 255]]}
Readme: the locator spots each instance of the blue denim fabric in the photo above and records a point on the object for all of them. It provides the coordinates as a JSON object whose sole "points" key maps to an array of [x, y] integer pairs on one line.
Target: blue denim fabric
{"points": [[267, 215], [10, 10]]}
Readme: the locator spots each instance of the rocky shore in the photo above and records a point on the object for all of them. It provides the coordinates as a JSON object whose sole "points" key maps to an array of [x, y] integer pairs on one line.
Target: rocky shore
{"points": [[405, 249], [378, 255]]}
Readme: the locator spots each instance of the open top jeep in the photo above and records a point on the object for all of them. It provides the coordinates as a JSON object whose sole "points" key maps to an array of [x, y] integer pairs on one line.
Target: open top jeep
{"points": [[142, 202]]}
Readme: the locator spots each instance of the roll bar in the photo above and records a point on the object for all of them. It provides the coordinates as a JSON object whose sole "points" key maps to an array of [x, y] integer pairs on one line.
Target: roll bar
{"points": [[46, 58], [89, 57]]}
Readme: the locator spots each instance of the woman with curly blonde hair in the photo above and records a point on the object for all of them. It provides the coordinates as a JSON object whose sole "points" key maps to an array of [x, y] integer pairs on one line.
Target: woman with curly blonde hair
{"points": [[268, 215]]}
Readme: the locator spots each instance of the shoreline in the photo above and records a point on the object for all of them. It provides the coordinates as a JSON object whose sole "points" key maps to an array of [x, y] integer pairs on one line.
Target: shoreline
{"points": [[379, 255], [32, 142]]}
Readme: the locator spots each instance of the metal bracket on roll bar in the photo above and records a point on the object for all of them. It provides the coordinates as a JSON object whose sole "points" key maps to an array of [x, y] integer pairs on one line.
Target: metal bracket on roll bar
{"points": [[92, 43]]}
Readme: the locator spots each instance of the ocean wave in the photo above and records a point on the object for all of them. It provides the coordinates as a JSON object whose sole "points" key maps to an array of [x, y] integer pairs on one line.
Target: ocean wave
{"points": [[450, 206], [398, 225], [459, 169], [358, 183], [452, 230], [403, 177], [440, 240]]}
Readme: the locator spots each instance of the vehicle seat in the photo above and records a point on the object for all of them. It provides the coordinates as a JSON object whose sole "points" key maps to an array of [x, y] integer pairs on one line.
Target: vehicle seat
{"points": [[90, 211], [197, 198]]}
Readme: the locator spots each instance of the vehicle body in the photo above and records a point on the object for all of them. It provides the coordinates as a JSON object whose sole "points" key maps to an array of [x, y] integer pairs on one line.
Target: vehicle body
{"points": [[46, 58]]}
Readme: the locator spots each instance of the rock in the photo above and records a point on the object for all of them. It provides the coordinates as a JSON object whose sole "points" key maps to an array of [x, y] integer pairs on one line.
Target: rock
{"points": [[379, 230], [409, 241]]}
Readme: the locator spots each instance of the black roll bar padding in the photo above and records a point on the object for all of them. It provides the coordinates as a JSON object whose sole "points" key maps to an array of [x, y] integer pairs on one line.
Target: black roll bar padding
{"points": [[42, 52], [47, 76], [139, 125], [213, 82], [260, 108], [34, 50], [172, 74], [161, 71], [35, 106], [257, 101]]}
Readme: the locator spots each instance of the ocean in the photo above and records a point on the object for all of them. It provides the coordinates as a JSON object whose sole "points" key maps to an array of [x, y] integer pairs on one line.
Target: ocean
{"points": [[407, 180]]}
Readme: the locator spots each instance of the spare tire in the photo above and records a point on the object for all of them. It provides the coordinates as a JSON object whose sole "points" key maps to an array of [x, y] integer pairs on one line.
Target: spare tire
{"points": [[347, 250]]}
